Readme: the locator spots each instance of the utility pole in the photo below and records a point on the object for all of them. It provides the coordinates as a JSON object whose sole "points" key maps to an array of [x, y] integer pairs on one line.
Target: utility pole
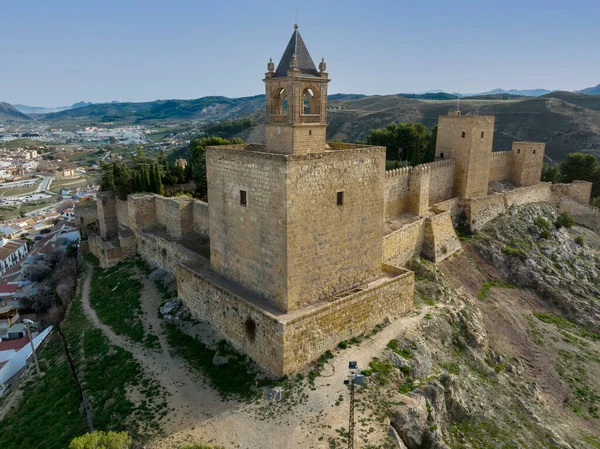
{"points": [[354, 379], [37, 364], [351, 420]]}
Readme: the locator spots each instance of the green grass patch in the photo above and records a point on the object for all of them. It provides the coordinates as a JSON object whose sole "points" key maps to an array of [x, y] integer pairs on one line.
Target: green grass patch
{"points": [[50, 414], [487, 286], [235, 379], [116, 298], [402, 352], [565, 325], [381, 370], [515, 252], [584, 401]]}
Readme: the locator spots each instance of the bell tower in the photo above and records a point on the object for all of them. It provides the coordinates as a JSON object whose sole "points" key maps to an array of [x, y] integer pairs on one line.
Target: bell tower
{"points": [[296, 101]]}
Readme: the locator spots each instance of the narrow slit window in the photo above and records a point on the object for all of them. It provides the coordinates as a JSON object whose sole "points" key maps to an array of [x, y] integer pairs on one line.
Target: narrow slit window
{"points": [[340, 198], [310, 132], [243, 198], [482, 134], [533, 151], [441, 155], [463, 134]]}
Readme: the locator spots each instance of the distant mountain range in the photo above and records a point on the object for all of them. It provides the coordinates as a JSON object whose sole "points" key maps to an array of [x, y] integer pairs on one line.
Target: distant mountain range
{"points": [[41, 110], [9, 112], [519, 92], [591, 90], [565, 121]]}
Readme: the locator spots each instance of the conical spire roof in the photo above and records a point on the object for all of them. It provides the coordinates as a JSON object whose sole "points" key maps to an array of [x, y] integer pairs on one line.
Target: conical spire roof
{"points": [[296, 47]]}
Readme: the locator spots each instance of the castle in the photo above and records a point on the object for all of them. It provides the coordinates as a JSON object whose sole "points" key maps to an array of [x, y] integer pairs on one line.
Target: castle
{"points": [[304, 243]]}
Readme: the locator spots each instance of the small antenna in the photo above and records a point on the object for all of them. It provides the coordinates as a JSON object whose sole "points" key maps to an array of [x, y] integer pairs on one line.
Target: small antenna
{"points": [[296, 16], [458, 100]]}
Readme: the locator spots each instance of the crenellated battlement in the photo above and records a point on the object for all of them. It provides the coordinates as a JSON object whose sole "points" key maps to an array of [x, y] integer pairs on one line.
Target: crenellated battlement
{"points": [[502, 154], [421, 168]]}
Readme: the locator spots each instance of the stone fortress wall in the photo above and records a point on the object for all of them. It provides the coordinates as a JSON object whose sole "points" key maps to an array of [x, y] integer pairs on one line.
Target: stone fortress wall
{"points": [[417, 203], [309, 239]]}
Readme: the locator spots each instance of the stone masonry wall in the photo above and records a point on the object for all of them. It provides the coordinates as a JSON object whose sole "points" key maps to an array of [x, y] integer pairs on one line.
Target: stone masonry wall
{"points": [[580, 191], [122, 213], [163, 253], [200, 218], [85, 214], [501, 166], [442, 178], [528, 158], [285, 344], [583, 214], [248, 244], [441, 240], [484, 209], [142, 211], [107, 214], [396, 192], [414, 189], [228, 314], [331, 247], [308, 336], [404, 244]]}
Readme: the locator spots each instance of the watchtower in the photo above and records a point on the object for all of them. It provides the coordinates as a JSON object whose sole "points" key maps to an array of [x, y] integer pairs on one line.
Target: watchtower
{"points": [[527, 161], [296, 105], [467, 140], [297, 221]]}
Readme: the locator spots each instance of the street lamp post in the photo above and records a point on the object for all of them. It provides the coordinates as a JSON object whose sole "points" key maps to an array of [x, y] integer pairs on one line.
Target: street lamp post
{"points": [[354, 379], [37, 364]]}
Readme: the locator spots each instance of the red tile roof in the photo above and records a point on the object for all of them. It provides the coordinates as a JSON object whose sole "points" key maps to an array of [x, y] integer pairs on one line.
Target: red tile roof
{"points": [[8, 288], [14, 344]]}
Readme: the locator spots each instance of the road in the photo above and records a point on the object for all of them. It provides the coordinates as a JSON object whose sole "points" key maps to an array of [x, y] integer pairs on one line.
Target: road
{"points": [[45, 184]]}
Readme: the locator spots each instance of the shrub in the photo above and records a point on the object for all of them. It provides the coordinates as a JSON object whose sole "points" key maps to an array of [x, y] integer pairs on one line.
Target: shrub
{"points": [[343, 344], [102, 440], [541, 223], [545, 234], [579, 240], [512, 251], [564, 220]]}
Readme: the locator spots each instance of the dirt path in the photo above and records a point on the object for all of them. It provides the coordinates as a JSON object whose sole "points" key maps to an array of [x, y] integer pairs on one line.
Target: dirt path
{"points": [[308, 425], [192, 400]]}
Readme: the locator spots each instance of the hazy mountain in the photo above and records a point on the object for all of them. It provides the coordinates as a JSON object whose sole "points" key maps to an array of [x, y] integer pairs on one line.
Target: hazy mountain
{"points": [[521, 92], [205, 108], [566, 123], [9, 112], [41, 110], [590, 90]]}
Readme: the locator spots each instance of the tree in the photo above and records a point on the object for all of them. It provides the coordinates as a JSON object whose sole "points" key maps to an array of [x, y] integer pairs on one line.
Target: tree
{"points": [[403, 141], [583, 167], [107, 182], [550, 173], [198, 160], [102, 440]]}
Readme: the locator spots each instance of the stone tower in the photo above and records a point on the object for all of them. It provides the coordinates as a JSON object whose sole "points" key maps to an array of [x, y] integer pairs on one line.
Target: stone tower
{"points": [[467, 140], [527, 161], [296, 96], [297, 221]]}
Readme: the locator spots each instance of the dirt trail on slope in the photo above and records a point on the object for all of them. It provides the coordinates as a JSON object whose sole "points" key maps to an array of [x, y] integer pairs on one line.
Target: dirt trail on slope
{"points": [[306, 425], [192, 400]]}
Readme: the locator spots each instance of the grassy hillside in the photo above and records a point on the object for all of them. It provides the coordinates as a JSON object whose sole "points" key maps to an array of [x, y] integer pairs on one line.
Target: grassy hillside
{"points": [[8, 112], [206, 108], [564, 127]]}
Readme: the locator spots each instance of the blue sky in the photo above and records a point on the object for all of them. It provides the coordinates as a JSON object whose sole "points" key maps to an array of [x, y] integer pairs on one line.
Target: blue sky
{"points": [[54, 53]]}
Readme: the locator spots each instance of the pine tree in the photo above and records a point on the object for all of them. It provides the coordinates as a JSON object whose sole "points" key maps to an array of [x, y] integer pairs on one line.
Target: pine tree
{"points": [[159, 185]]}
